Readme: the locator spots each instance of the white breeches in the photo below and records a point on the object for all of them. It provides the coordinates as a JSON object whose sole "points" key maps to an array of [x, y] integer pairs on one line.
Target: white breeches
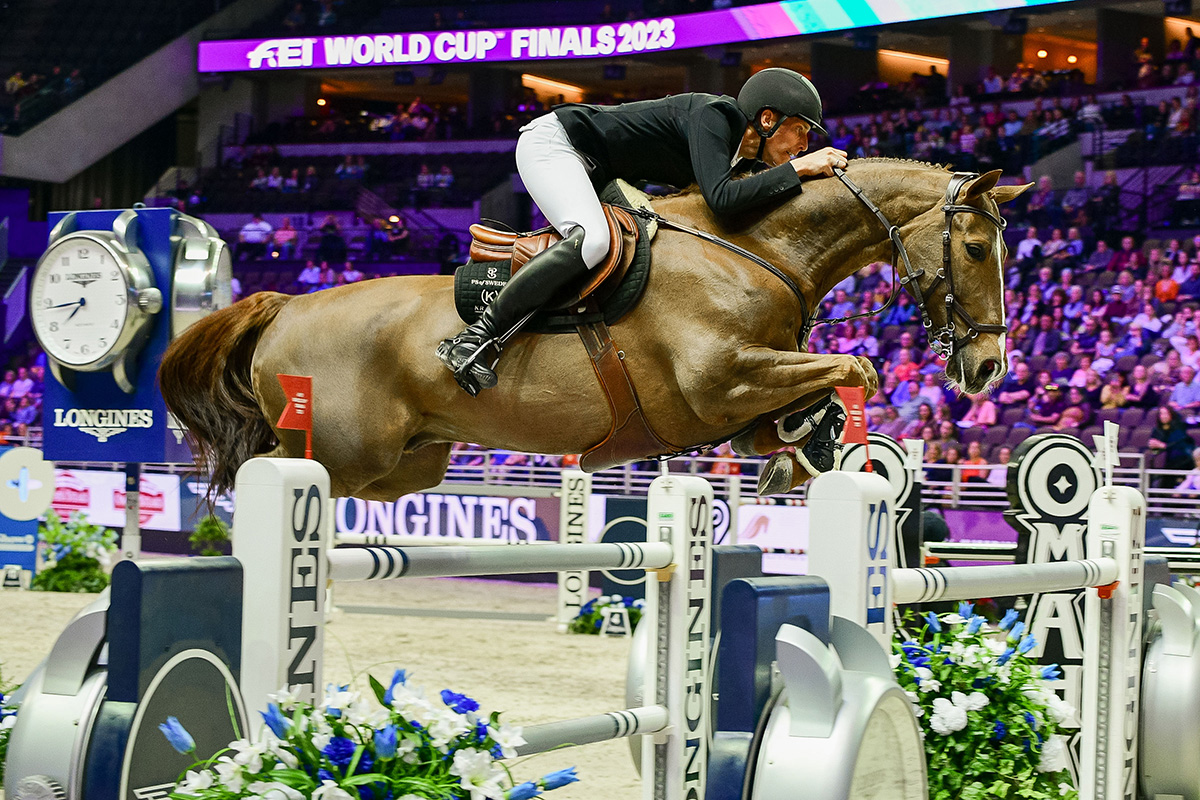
{"points": [[556, 177]]}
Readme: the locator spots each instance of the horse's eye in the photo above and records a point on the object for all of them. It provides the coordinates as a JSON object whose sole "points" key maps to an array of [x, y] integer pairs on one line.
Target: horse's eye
{"points": [[975, 251]]}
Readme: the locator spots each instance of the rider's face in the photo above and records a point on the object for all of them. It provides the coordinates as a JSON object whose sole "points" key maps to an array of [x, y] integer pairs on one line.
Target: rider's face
{"points": [[789, 141]]}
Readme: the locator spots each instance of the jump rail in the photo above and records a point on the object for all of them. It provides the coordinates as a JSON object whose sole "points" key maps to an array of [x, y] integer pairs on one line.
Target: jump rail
{"points": [[282, 536]]}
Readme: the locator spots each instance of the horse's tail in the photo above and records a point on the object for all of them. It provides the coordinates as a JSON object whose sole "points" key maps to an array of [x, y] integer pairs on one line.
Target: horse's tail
{"points": [[206, 381]]}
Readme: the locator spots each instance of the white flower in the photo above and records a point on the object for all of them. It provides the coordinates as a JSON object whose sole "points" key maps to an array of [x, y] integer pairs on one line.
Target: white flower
{"points": [[321, 740], [195, 782], [953, 619], [894, 659], [286, 698], [230, 774], [509, 738], [287, 759], [8, 722], [476, 773], [925, 680], [328, 790], [273, 790], [947, 717], [997, 646], [249, 755], [1054, 754], [969, 702], [1064, 789], [446, 725]]}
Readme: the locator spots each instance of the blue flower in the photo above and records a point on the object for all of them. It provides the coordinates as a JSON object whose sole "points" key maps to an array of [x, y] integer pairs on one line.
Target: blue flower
{"points": [[177, 736], [1005, 657], [522, 791], [1031, 720], [974, 625], [385, 742], [627, 602], [481, 730], [325, 775], [588, 607], [966, 610], [932, 621], [998, 731], [599, 622], [459, 702], [1027, 644], [398, 677], [1016, 631], [1051, 672], [339, 751], [1010, 617], [497, 752], [560, 778], [365, 763], [276, 721]]}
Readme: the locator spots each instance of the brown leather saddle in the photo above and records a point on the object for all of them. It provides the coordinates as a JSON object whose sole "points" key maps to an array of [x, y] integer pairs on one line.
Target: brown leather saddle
{"points": [[489, 244], [630, 437]]}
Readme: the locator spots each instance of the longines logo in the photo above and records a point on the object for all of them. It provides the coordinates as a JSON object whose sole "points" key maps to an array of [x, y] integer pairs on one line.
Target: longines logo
{"points": [[103, 423], [83, 278]]}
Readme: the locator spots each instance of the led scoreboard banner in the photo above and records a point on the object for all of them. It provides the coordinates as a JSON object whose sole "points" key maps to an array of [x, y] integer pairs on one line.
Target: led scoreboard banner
{"points": [[728, 26]]}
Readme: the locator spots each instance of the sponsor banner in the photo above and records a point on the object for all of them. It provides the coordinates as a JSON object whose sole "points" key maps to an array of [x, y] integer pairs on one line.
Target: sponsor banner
{"points": [[451, 516], [777, 527], [1172, 532], [100, 496], [726, 26]]}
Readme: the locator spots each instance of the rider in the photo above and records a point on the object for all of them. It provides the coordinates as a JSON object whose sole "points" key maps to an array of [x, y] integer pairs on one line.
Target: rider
{"points": [[563, 158]]}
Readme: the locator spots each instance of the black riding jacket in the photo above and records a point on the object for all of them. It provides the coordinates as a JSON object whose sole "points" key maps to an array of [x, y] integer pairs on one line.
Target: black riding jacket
{"points": [[678, 140]]}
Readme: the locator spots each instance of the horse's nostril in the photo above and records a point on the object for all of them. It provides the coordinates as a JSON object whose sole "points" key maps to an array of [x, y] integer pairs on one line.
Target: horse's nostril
{"points": [[989, 370]]}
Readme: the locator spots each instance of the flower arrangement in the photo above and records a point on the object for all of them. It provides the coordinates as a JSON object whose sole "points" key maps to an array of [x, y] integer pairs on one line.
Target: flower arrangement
{"points": [[591, 616], [77, 555], [990, 718], [8, 718], [412, 748]]}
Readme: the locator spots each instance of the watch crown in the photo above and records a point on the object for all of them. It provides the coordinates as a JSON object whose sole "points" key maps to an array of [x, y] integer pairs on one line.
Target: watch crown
{"points": [[150, 300]]}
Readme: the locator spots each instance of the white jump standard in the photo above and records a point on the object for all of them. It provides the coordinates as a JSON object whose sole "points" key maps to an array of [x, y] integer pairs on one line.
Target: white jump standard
{"points": [[283, 537]]}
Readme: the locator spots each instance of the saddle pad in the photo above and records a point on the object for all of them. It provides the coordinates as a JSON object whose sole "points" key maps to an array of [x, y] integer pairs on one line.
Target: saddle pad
{"points": [[476, 285]]}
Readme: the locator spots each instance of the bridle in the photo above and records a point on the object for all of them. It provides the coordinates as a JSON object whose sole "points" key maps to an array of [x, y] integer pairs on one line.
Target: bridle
{"points": [[943, 341]]}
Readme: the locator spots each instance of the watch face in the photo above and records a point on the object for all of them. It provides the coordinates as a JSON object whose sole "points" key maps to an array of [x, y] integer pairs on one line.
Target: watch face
{"points": [[79, 301]]}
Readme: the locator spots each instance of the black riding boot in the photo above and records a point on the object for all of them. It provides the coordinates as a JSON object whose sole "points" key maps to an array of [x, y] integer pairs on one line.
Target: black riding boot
{"points": [[534, 285]]}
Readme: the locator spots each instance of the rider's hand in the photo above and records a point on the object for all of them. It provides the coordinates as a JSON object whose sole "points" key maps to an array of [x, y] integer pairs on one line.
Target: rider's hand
{"points": [[820, 163]]}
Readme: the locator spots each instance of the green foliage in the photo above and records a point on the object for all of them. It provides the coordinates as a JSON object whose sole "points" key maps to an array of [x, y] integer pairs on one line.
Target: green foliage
{"points": [[991, 718], [8, 718], [211, 532], [591, 617], [77, 553]]}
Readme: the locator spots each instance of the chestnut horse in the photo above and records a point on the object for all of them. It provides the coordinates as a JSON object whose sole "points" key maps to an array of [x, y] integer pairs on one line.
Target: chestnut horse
{"points": [[712, 346]]}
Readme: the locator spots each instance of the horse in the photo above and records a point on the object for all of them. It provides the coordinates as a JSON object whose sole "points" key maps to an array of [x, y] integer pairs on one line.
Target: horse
{"points": [[715, 347]]}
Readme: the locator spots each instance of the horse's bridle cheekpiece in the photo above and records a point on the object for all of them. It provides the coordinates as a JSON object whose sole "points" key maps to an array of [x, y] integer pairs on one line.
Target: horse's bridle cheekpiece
{"points": [[942, 341]]}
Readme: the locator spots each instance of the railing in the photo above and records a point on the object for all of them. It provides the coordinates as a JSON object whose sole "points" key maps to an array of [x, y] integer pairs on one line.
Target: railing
{"points": [[736, 479]]}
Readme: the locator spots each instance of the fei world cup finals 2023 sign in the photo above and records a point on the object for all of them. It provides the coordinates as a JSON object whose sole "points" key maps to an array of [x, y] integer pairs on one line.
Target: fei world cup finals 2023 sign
{"points": [[704, 29]]}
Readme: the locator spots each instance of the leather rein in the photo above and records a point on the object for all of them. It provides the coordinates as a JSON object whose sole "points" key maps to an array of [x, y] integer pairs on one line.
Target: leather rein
{"points": [[943, 341]]}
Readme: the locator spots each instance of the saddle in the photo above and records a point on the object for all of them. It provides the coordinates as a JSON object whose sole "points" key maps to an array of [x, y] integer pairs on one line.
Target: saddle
{"points": [[489, 245], [610, 291]]}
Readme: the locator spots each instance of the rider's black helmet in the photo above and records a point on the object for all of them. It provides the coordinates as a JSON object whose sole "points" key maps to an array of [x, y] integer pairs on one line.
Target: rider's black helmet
{"points": [[782, 90]]}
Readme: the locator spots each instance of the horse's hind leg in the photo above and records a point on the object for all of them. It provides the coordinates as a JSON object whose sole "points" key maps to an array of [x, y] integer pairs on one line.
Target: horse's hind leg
{"points": [[420, 469]]}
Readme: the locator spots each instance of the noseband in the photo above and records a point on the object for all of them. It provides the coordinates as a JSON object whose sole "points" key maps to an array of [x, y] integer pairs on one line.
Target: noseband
{"points": [[943, 341]]}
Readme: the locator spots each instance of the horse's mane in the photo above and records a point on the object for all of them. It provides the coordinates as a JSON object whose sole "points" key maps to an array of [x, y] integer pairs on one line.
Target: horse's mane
{"points": [[695, 189]]}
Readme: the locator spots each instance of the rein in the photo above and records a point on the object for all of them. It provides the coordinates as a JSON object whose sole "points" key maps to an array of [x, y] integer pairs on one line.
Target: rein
{"points": [[942, 341]]}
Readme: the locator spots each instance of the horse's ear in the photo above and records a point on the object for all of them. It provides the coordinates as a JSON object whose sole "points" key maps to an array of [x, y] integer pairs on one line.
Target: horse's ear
{"points": [[1005, 194], [984, 183]]}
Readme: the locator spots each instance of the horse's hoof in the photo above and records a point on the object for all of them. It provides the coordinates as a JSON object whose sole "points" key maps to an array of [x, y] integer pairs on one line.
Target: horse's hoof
{"points": [[743, 443], [776, 476]]}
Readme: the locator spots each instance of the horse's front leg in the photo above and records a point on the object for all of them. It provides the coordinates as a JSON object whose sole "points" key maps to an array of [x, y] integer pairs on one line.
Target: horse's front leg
{"points": [[784, 472]]}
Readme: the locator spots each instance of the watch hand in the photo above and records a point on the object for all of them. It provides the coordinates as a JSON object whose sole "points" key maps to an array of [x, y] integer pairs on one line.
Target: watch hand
{"points": [[78, 302], [82, 303]]}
